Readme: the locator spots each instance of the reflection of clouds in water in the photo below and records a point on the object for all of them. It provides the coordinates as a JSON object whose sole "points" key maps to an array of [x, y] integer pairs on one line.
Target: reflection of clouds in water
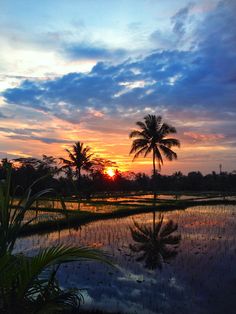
{"points": [[87, 298], [138, 291], [173, 283], [111, 304], [128, 275], [199, 281]]}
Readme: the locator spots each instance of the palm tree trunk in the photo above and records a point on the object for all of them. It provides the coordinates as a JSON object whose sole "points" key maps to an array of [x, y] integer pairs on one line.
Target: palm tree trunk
{"points": [[154, 176], [79, 181], [154, 190], [154, 220], [79, 174]]}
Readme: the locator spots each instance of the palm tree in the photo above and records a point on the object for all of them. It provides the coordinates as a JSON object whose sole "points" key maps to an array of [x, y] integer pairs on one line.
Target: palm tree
{"points": [[155, 245], [79, 158], [152, 138]]}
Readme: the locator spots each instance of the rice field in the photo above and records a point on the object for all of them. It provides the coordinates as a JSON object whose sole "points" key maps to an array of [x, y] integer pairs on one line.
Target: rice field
{"points": [[201, 279], [110, 204]]}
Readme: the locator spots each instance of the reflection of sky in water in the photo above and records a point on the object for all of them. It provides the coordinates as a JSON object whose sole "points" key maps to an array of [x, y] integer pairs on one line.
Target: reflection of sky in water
{"points": [[201, 279], [110, 204]]}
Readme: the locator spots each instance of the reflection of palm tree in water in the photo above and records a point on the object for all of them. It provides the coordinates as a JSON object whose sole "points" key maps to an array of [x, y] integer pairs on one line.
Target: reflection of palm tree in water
{"points": [[156, 244]]}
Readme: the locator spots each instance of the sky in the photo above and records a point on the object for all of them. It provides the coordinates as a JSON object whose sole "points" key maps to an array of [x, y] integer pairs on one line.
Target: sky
{"points": [[89, 70]]}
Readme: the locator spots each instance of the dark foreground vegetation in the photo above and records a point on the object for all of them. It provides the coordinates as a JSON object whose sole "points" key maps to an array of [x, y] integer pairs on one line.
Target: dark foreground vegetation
{"points": [[28, 284]]}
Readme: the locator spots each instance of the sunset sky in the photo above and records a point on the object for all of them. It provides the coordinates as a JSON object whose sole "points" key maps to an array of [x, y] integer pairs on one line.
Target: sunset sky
{"points": [[89, 69]]}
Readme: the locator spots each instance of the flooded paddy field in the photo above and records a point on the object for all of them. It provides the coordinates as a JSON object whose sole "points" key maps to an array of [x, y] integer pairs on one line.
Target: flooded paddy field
{"points": [[111, 204], [199, 279]]}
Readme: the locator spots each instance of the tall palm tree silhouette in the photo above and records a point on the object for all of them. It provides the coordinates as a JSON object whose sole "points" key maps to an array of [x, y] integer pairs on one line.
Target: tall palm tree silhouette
{"points": [[79, 158], [152, 138], [157, 244]]}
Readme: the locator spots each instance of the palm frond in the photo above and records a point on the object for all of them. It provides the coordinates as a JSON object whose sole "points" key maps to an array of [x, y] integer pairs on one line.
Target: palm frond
{"points": [[172, 240], [138, 144], [168, 153], [140, 153], [33, 267], [169, 228], [148, 151], [72, 156], [136, 133], [169, 142], [22, 283], [158, 225], [142, 125], [167, 129], [158, 156], [153, 123]]}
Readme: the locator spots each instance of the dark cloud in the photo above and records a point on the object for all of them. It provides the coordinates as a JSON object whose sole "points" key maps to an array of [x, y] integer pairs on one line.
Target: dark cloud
{"points": [[200, 79], [88, 51], [47, 140], [23, 131], [179, 21], [2, 116], [28, 95], [178, 36], [30, 133]]}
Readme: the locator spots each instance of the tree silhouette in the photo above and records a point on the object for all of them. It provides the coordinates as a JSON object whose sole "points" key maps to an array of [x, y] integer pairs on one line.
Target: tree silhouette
{"points": [[99, 165], [79, 158], [152, 138]]}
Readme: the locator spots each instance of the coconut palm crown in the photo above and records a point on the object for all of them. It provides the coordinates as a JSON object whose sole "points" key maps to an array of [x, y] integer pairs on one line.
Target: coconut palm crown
{"points": [[79, 158], [153, 138]]}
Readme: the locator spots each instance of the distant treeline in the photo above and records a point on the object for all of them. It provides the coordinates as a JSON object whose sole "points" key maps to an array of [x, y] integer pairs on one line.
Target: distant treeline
{"points": [[95, 180]]}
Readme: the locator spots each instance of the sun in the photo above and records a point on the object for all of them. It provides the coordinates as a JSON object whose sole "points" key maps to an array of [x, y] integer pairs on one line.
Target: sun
{"points": [[110, 172]]}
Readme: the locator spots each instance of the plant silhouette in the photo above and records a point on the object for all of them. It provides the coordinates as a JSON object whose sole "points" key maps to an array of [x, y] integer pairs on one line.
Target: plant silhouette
{"points": [[152, 138], [29, 284], [79, 159]]}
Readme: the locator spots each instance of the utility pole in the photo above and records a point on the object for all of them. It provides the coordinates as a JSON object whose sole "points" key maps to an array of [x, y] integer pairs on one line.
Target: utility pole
{"points": [[220, 166]]}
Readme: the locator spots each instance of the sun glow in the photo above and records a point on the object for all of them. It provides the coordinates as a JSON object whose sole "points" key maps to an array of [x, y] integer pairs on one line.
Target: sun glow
{"points": [[110, 172]]}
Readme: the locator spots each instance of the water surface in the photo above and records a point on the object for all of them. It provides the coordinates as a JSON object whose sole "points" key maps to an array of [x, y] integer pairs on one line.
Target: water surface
{"points": [[201, 279]]}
